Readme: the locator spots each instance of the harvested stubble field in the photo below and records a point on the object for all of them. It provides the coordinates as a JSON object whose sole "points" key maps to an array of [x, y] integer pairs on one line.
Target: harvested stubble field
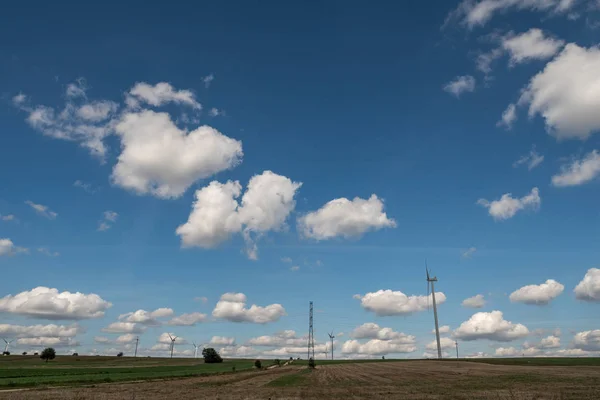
{"points": [[401, 380]]}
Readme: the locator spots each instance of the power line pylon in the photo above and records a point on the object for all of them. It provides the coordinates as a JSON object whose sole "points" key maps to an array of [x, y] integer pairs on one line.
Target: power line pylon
{"points": [[311, 335]]}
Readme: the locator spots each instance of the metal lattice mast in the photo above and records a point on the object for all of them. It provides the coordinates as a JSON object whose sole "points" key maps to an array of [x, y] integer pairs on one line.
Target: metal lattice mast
{"points": [[311, 335]]}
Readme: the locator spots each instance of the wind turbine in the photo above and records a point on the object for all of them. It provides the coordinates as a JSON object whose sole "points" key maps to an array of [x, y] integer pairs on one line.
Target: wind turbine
{"points": [[331, 337], [7, 343], [195, 350], [172, 343], [431, 280]]}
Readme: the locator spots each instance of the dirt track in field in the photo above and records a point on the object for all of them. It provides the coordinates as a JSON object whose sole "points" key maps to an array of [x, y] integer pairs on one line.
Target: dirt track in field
{"points": [[390, 380]]}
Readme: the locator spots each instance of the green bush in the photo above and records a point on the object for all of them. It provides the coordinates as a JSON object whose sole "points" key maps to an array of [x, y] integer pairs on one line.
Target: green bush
{"points": [[258, 364], [311, 363], [277, 362]]}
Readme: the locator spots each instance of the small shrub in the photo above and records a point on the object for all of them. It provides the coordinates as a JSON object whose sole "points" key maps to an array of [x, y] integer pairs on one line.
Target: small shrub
{"points": [[24, 353], [75, 354], [311, 363], [258, 364], [6, 353], [233, 368], [277, 361], [35, 354], [291, 358], [120, 354]]}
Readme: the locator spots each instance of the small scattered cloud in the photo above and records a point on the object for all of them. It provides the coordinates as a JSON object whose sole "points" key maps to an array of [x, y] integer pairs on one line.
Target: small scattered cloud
{"points": [[294, 268], [509, 116], [286, 260], [508, 206], [208, 80], [42, 210], [109, 218], [9, 217], [460, 85], [532, 160], [477, 301], [47, 252], [579, 172], [86, 187], [201, 299], [469, 252]]}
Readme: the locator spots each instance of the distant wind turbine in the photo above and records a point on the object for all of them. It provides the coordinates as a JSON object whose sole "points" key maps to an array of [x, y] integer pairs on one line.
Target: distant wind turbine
{"points": [[172, 343], [7, 343]]}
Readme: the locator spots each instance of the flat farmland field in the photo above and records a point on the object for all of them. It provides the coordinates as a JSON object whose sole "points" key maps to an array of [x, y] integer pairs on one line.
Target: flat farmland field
{"points": [[417, 379]]}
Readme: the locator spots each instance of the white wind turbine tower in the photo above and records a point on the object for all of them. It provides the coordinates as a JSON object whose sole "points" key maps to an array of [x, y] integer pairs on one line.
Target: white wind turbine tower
{"points": [[431, 280], [195, 350], [7, 343], [172, 343]]}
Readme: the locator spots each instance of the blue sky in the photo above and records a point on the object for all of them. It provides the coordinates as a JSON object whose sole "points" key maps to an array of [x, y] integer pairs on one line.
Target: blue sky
{"points": [[473, 124]]}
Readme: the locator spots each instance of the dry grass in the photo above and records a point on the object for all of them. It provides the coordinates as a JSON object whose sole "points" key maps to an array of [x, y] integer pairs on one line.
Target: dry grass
{"points": [[393, 380]]}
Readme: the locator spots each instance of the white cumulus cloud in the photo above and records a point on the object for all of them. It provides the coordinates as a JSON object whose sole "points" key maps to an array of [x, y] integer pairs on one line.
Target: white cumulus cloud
{"points": [[160, 159], [232, 307], [589, 287], [508, 206], [160, 94], [124, 327], [445, 344], [587, 340], [538, 294], [477, 301], [345, 218], [149, 318], [190, 319], [376, 347], [216, 214], [491, 326], [371, 330], [388, 302], [222, 340], [46, 303], [8, 248], [530, 45], [579, 172], [567, 93]]}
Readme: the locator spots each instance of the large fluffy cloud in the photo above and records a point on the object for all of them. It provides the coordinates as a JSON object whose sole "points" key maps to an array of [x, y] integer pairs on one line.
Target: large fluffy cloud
{"points": [[159, 158], [508, 206], [232, 307], [589, 287], [477, 301], [345, 218], [579, 172], [388, 302], [31, 331], [567, 93], [587, 340], [377, 347], [538, 294], [216, 214], [47, 303], [492, 326], [48, 341]]}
